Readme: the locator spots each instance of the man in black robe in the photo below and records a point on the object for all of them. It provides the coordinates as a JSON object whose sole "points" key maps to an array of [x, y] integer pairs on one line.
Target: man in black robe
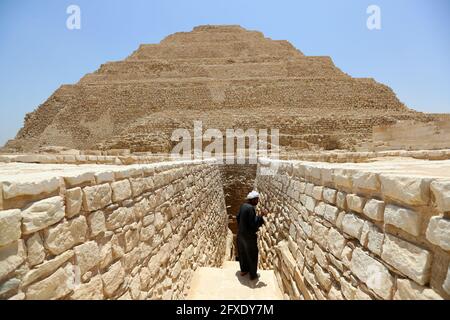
{"points": [[248, 225]]}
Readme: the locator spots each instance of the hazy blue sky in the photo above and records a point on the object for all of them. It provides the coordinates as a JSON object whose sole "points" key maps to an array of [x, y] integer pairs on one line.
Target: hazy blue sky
{"points": [[411, 53]]}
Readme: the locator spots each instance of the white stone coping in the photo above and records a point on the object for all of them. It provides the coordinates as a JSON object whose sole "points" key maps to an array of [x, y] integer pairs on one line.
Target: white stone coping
{"points": [[18, 179]]}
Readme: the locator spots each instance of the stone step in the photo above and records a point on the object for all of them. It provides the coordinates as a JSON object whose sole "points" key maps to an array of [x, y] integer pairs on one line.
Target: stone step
{"points": [[228, 284]]}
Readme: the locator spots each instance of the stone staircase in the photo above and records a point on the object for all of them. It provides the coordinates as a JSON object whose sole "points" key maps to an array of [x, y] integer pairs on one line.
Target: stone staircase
{"points": [[226, 283]]}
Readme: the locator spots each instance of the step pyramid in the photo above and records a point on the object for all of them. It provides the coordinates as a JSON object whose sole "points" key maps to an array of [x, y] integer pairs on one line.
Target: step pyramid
{"points": [[226, 283], [225, 76]]}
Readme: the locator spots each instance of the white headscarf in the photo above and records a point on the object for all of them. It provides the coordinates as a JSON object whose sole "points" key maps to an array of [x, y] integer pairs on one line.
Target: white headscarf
{"points": [[253, 195]]}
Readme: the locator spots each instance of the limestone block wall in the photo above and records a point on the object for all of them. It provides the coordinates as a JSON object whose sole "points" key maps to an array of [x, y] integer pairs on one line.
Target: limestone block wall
{"points": [[338, 232], [129, 232]]}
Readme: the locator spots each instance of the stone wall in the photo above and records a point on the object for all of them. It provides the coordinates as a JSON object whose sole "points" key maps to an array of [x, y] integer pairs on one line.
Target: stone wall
{"points": [[412, 135], [129, 232], [337, 231]]}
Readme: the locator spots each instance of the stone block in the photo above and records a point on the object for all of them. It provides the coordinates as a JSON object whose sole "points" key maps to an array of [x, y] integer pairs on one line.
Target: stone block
{"points": [[355, 203], [320, 234], [121, 190], [331, 213], [374, 209], [373, 273], [329, 195], [87, 256], [408, 258], [446, 284], [366, 181], [97, 223], [406, 189], [317, 193], [42, 214], [441, 193], [11, 256], [438, 232], [322, 277], [341, 200], [352, 225], [113, 278], [46, 268], [10, 223], [93, 290], [96, 197], [74, 201], [46, 185], [119, 218], [336, 242], [402, 218], [104, 177], [36, 250], [409, 290], [56, 286], [65, 235]]}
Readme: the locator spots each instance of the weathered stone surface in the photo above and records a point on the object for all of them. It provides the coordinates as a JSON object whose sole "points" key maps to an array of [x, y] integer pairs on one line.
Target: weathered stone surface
{"points": [[9, 288], [341, 200], [405, 219], [438, 232], [410, 259], [320, 234], [30, 188], [323, 277], [355, 203], [374, 209], [47, 268], [42, 214], [310, 203], [409, 290], [336, 242], [330, 213], [446, 284], [373, 273], [10, 221], [11, 257], [113, 278], [375, 240], [93, 290], [406, 189], [329, 195], [96, 197], [65, 235], [317, 193], [321, 256], [366, 181], [347, 289], [120, 218], [441, 192], [79, 178], [121, 190], [104, 177], [87, 256], [138, 185], [97, 223], [36, 251], [352, 225], [56, 286], [74, 201]]}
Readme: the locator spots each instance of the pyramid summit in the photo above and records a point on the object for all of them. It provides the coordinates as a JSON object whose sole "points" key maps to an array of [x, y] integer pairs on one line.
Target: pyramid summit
{"points": [[225, 76]]}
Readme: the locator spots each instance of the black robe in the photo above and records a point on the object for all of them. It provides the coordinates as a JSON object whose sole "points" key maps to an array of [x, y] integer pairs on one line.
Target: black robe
{"points": [[248, 224]]}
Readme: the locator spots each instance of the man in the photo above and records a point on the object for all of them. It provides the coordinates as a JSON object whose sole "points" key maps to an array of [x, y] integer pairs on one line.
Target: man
{"points": [[248, 225]]}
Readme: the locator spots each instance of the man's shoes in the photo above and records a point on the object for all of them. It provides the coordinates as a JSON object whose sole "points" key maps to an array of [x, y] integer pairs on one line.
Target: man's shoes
{"points": [[255, 278], [243, 274]]}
